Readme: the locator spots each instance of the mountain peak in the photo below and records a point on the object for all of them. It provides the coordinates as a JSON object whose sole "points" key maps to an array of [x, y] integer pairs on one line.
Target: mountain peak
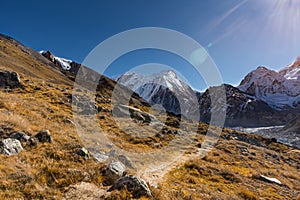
{"points": [[278, 89], [162, 88], [262, 68], [168, 72], [292, 71], [64, 63]]}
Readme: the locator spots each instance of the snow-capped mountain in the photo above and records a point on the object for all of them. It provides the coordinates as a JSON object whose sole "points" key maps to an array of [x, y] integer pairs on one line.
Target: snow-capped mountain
{"points": [[164, 88], [281, 90], [63, 63], [242, 109]]}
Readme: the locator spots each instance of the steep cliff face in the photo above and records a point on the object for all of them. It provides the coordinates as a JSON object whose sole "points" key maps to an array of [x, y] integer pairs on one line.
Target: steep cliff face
{"points": [[242, 109]]}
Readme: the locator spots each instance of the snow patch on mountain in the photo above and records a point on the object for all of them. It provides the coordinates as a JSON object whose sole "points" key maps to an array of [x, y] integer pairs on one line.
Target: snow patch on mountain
{"points": [[65, 63]]}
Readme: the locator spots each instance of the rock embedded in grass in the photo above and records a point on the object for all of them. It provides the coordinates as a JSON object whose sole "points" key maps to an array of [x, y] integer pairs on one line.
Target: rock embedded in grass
{"points": [[10, 80], [44, 136], [137, 186], [10, 146], [83, 152]]}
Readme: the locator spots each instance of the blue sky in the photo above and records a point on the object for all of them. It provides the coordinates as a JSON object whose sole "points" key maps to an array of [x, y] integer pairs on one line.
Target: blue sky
{"points": [[238, 34]]}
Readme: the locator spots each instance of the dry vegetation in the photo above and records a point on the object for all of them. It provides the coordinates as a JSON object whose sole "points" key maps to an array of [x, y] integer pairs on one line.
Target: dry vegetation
{"points": [[230, 171], [44, 172]]}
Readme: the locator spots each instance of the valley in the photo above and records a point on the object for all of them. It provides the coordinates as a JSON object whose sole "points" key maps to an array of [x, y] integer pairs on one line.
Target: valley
{"points": [[93, 149]]}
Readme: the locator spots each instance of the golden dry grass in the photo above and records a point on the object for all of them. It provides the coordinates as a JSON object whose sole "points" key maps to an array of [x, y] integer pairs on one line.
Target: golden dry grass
{"points": [[45, 171]]}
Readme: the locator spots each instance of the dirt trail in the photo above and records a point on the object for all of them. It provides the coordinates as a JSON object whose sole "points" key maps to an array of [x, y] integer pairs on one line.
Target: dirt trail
{"points": [[155, 177]]}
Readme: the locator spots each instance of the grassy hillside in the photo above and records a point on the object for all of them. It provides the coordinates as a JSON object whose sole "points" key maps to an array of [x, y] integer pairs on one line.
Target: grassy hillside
{"points": [[230, 171]]}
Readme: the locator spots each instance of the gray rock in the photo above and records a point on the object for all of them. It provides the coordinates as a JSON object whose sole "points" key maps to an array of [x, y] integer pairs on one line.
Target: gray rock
{"points": [[84, 153], [100, 156], [243, 150], [44, 136], [137, 186], [10, 146], [10, 80], [134, 113], [114, 171], [21, 136]]}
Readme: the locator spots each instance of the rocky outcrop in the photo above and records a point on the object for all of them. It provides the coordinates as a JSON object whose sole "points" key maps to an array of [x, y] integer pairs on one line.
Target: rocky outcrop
{"points": [[62, 63], [134, 113], [10, 80], [137, 186], [242, 109], [10, 146], [48, 55], [44, 136]]}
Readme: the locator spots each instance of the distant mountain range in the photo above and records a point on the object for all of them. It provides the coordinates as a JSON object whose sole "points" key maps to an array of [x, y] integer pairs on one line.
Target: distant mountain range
{"points": [[263, 98]]}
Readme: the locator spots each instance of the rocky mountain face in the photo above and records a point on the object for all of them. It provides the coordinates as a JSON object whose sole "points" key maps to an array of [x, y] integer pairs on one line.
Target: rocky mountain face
{"points": [[292, 71], [28, 62], [290, 133], [165, 89], [242, 109], [105, 85], [279, 89]]}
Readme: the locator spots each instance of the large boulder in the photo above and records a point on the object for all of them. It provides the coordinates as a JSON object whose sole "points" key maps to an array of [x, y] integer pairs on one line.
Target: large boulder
{"points": [[44, 136], [137, 186], [10, 146], [10, 80], [114, 171]]}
